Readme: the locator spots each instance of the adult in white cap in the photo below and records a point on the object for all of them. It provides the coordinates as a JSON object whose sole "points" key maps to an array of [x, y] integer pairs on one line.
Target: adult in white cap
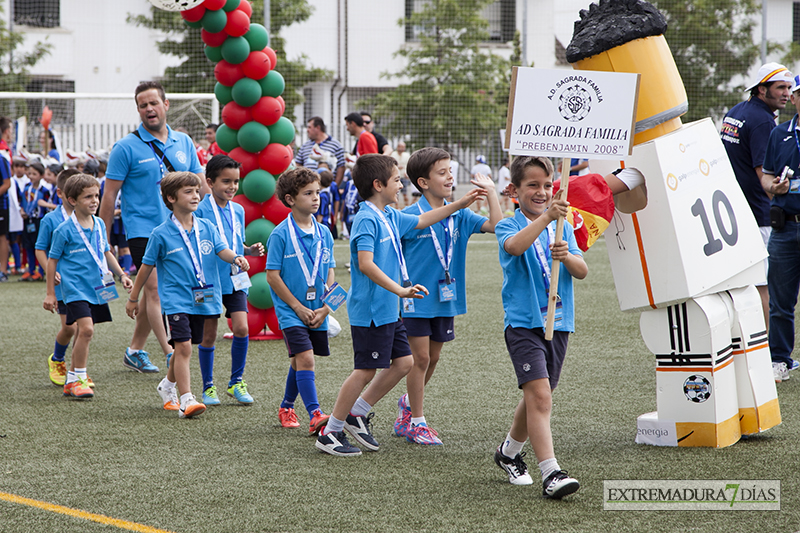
{"points": [[745, 132]]}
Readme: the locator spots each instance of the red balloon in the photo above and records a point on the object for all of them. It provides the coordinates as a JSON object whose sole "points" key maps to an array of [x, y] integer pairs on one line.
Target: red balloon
{"points": [[274, 158], [267, 110], [256, 65], [257, 264], [214, 5], [274, 210], [213, 39], [194, 14], [238, 23], [283, 104], [228, 74], [273, 58], [248, 160], [246, 7], [256, 319], [272, 321], [235, 116], [252, 210]]}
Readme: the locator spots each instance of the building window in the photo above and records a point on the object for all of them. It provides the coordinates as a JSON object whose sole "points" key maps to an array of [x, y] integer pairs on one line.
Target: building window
{"points": [[500, 14], [37, 13]]}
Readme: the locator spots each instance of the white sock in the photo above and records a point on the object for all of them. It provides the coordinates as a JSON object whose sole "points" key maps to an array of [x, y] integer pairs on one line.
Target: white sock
{"points": [[72, 377], [334, 426], [511, 447], [166, 384], [418, 421], [81, 373], [186, 397], [360, 408], [548, 466]]}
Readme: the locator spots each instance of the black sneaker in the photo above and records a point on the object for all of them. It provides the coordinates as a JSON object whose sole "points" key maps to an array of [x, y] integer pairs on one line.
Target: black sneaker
{"points": [[516, 468], [336, 444], [559, 484], [360, 428]]}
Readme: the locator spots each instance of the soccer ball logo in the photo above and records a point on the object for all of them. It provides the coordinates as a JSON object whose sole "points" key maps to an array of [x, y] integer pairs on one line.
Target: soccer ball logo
{"points": [[697, 389], [576, 102]]}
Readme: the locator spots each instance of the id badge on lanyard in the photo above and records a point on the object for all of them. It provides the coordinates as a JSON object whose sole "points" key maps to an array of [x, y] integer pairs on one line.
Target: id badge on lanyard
{"points": [[334, 297], [557, 317], [108, 290], [240, 280], [408, 303], [203, 294], [447, 291]]}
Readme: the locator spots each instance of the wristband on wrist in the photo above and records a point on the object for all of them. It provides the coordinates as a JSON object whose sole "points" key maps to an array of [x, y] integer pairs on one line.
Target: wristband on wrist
{"points": [[133, 301]]}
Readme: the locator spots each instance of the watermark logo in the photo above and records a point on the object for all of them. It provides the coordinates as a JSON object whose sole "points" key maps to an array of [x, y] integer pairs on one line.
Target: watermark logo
{"points": [[692, 494]]}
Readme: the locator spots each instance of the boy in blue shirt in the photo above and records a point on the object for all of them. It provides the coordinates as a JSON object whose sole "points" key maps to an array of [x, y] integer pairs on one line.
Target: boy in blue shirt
{"points": [[35, 193], [222, 175], [436, 258], [182, 249], [299, 268], [377, 263], [80, 253], [527, 245]]}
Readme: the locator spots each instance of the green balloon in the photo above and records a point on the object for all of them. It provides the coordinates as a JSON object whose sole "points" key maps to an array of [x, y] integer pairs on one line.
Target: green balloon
{"points": [[230, 5], [253, 137], [246, 92], [213, 53], [257, 36], [226, 138], [195, 25], [258, 230], [282, 132], [259, 295], [214, 21], [259, 186], [235, 50], [223, 94], [272, 84]]}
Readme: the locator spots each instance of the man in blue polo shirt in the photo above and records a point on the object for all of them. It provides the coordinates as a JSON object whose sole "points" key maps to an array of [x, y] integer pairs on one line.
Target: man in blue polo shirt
{"points": [[745, 131], [136, 165]]}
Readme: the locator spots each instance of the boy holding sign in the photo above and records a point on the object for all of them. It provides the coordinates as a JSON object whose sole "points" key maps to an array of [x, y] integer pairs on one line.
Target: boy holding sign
{"points": [[527, 247]]}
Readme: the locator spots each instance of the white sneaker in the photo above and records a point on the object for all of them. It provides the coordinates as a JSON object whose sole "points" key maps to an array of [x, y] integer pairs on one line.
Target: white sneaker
{"points": [[169, 397], [516, 468], [780, 372], [191, 408]]}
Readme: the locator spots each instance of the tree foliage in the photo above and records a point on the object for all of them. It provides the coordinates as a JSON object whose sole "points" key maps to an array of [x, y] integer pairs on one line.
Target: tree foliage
{"points": [[14, 64]]}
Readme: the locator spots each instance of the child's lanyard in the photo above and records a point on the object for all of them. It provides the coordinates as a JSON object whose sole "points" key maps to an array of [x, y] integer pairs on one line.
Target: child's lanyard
{"points": [[63, 211], [96, 255], [217, 210], [541, 255], [448, 243], [32, 205], [310, 276], [398, 250], [197, 265]]}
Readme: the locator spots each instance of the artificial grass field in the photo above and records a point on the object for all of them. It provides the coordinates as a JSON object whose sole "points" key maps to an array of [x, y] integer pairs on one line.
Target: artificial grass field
{"points": [[235, 469]]}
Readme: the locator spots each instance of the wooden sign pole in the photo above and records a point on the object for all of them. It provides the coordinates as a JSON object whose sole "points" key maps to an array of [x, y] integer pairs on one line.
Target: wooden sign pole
{"points": [[556, 265]]}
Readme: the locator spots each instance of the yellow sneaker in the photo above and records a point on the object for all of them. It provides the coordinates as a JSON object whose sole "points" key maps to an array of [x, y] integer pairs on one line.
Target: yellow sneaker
{"points": [[57, 370]]}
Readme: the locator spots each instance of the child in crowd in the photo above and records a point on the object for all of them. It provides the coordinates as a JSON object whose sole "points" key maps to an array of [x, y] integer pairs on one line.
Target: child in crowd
{"points": [[183, 249], [325, 214], [55, 362], [50, 177], [222, 175], [81, 255], [527, 246], [18, 181], [34, 195], [299, 268], [379, 337], [436, 258]]}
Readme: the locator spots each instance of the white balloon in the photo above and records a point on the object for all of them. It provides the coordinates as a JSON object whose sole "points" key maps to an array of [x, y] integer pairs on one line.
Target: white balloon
{"points": [[176, 5]]}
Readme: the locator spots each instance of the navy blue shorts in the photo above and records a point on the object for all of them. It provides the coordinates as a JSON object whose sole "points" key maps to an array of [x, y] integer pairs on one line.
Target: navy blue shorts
{"points": [[535, 358], [439, 329], [300, 339], [118, 239], [376, 346], [61, 307], [29, 238], [137, 247], [82, 308], [236, 301], [182, 327]]}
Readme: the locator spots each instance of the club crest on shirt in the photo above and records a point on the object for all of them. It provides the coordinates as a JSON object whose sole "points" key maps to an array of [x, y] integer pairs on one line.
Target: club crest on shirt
{"points": [[206, 247], [181, 157], [326, 255]]}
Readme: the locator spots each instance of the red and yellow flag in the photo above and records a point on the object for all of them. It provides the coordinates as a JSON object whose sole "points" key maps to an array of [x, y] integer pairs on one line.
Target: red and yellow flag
{"points": [[591, 207]]}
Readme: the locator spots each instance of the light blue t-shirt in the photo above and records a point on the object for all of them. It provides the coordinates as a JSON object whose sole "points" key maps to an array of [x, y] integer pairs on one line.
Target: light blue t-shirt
{"points": [[80, 274], [176, 275], [524, 292], [44, 240], [281, 256], [425, 268], [134, 162], [206, 210], [368, 303]]}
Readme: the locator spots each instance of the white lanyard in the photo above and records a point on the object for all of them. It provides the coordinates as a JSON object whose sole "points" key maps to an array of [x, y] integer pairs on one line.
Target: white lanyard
{"points": [[102, 264], [64, 215], [222, 227], [310, 276], [32, 201], [445, 262], [198, 266], [398, 250], [541, 255]]}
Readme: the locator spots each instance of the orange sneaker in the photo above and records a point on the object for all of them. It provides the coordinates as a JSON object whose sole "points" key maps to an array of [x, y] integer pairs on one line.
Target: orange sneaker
{"points": [[288, 418], [78, 389], [318, 421], [191, 408], [25, 277], [89, 382], [37, 277], [57, 371]]}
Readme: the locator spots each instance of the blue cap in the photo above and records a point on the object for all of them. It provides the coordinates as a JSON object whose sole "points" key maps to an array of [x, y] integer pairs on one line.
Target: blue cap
{"points": [[481, 159], [796, 83]]}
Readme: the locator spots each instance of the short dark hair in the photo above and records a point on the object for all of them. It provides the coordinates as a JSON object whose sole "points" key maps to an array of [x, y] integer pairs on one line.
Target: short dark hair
{"points": [[421, 162], [318, 123], [755, 92], [292, 181], [5, 123], [325, 178], [146, 86], [356, 118], [521, 163], [217, 164], [64, 175], [38, 167], [371, 167], [212, 126], [76, 183], [174, 181]]}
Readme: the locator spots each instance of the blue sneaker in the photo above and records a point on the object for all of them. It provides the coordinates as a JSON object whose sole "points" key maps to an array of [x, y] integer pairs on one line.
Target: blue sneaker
{"points": [[795, 364], [239, 391], [139, 361], [210, 396], [360, 427], [169, 356]]}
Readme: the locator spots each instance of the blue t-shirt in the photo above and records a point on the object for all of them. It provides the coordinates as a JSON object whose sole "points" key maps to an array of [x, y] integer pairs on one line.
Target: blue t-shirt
{"points": [[524, 291], [80, 275], [782, 151], [206, 210], [134, 162], [425, 268], [281, 256], [351, 200], [367, 302], [5, 174], [30, 199], [44, 240], [745, 132], [176, 275]]}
